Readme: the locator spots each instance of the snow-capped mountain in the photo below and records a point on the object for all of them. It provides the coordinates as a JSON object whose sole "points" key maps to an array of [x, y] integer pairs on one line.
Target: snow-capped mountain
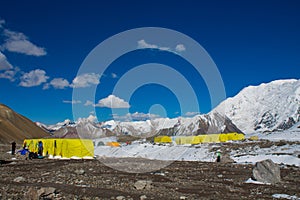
{"points": [[267, 107], [200, 124], [55, 127]]}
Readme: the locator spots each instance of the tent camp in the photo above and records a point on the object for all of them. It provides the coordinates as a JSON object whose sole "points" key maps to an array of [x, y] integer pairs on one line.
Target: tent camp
{"points": [[163, 139], [207, 138], [113, 144], [62, 148], [188, 140]]}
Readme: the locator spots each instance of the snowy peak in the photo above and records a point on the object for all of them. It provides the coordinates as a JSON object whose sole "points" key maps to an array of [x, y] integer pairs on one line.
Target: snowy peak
{"points": [[267, 107], [200, 124]]}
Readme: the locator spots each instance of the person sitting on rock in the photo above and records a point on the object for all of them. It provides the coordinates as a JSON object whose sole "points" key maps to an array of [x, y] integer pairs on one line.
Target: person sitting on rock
{"points": [[23, 152]]}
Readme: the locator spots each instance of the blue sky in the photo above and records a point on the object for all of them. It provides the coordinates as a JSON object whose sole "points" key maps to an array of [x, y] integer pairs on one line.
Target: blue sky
{"points": [[44, 43]]}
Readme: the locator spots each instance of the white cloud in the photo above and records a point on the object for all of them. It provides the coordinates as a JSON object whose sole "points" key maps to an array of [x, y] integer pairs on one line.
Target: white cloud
{"points": [[10, 74], [33, 78], [180, 48], [46, 86], [4, 64], [113, 75], [72, 102], [191, 114], [92, 113], [59, 83], [143, 116], [85, 80], [19, 43], [89, 103], [92, 118], [135, 117], [143, 44], [112, 102]]}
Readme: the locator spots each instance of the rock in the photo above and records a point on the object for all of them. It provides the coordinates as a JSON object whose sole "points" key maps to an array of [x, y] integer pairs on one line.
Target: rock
{"points": [[46, 192], [19, 179], [120, 198], [266, 171], [182, 197], [142, 184], [143, 197], [31, 194], [79, 171]]}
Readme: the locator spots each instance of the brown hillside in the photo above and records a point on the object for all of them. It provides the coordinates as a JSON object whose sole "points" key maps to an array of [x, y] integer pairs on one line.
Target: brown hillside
{"points": [[15, 127]]}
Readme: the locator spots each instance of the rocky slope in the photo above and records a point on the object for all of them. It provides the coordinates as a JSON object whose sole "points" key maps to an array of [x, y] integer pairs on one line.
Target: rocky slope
{"points": [[15, 127]]}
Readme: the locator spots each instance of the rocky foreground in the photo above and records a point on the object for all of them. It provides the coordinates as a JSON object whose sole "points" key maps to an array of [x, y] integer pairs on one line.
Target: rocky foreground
{"points": [[90, 179]]}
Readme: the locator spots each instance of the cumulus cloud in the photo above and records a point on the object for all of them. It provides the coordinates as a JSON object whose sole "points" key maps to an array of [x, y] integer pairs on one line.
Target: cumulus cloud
{"points": [[72, 101], [113, 75], [10, 74], [191, 114], [46, 86], [180, 48], [59, 83], [33, 78], [89, 103], [4, 64], [19, 43], [143, 44], [85, 80], [136, 117], [112, 102], [92, 113], [90, 118]]}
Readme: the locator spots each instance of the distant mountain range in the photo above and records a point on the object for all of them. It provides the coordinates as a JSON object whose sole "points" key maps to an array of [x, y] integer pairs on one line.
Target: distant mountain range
{"points": [[200, 124], [268, 107], [15, 127]]}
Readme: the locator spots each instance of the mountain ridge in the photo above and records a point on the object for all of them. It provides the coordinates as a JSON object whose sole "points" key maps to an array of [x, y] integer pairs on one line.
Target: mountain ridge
{"points": [[16, 127], [266, 107]]}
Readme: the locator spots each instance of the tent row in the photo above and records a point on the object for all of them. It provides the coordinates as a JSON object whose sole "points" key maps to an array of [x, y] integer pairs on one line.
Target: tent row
{"points": [[64, 148], [209, 138]]}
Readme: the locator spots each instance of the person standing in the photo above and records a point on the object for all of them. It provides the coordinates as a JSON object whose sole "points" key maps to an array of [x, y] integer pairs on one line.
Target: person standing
{"points": [[13, 148], [218, 156], [40, 148]]}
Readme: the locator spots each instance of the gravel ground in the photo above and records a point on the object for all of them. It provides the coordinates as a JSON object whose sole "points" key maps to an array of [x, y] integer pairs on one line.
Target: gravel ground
{"points": [[90, 179]]}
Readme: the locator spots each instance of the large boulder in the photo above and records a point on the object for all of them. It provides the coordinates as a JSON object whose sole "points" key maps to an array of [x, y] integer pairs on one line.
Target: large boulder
{"points": [[142, 184], [266, 171]]}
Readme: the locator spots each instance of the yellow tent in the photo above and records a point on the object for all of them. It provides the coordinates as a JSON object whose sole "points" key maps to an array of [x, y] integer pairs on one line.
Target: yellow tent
{"points": [[66, 148], [253, 138], [188, 140], [207, 138], [210, 138], [113, 144], [163, 139], [235, 136], [223, 137]]}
